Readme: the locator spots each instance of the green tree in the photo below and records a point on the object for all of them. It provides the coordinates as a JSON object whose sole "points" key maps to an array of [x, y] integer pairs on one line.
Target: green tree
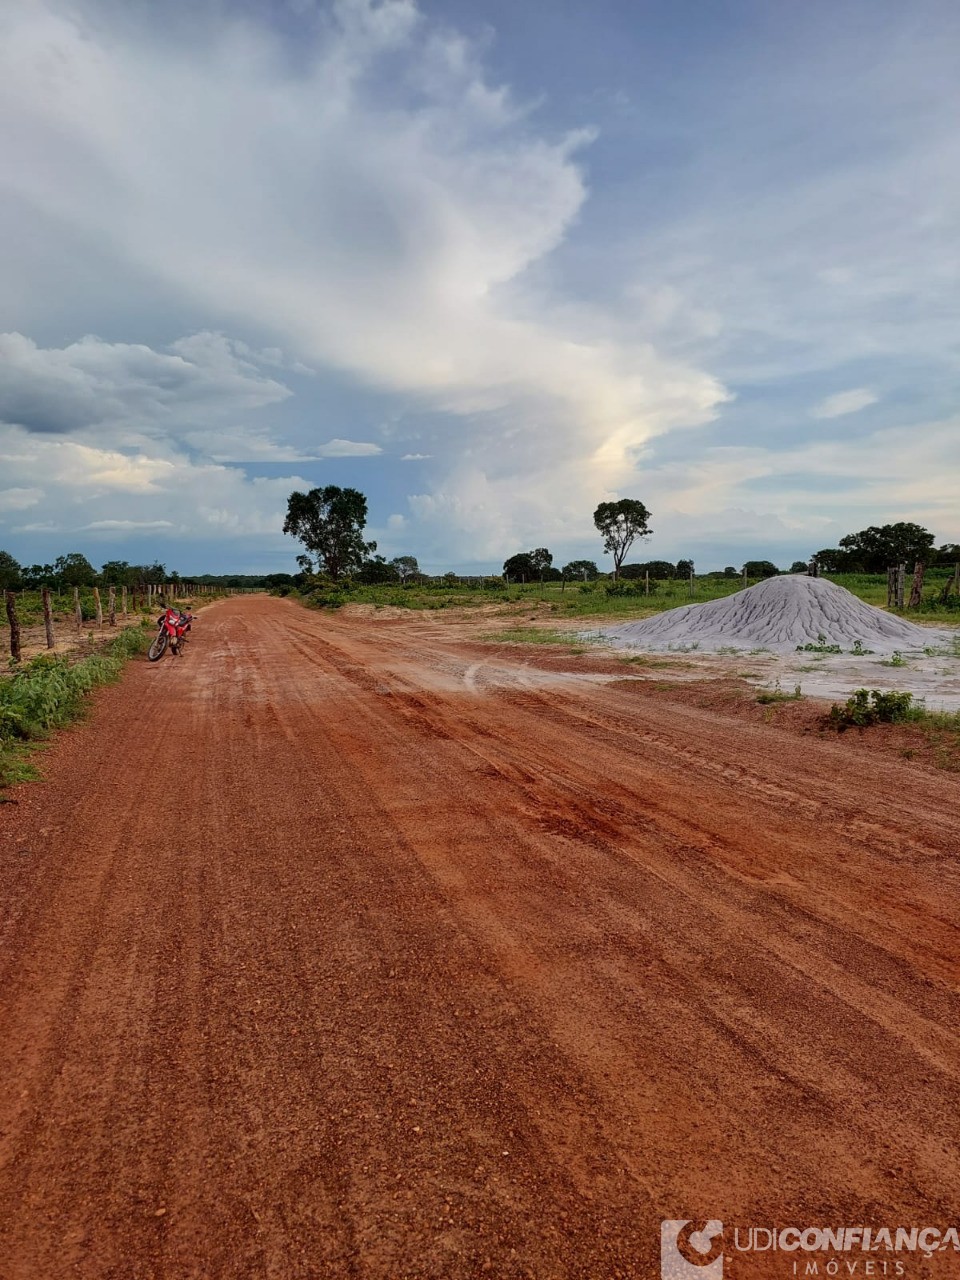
{"points": [[878, 547], [760, 569], [659, 569], [376, 570], [620, 524], [585, 570], [330, 523], [405, 567], [74, 570], [684, 568], [528, 564], [10, 575], [116, 573], [799, 566]]}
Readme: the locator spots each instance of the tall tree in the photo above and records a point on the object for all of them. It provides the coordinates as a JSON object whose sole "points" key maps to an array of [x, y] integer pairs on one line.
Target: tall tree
{"points": [[528, 564], [760, 569], [330, 523], [74, 570], [584, 569], [620, 524], [878, 547], [405, 566], [10, 578]]}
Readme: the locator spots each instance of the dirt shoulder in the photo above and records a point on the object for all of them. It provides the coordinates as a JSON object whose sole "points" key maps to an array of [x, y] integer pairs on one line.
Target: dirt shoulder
{"points": [[352, 947]]}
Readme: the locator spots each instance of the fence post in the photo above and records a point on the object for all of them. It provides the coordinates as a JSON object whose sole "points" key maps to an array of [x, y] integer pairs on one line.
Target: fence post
{"points": [[14, 625], [916, 590], [646, 582], [77, 611], [691, 582], [99, 607], [47, 616], [901, 575], [951, 584], [123, 601], [112, 615]]}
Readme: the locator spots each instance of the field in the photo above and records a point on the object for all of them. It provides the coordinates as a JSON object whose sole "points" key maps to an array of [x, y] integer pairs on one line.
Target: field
{"points": [[356, 944], [605, 599]]}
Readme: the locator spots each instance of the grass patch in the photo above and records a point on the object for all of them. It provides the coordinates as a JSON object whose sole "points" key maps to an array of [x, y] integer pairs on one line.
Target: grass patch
{"points": [[776, 694], [537, 635], [49, 692]]}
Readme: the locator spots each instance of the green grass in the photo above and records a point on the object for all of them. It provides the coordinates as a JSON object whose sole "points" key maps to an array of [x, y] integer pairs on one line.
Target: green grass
{"points": [[537, 635], [592, 600], [49, 692]]}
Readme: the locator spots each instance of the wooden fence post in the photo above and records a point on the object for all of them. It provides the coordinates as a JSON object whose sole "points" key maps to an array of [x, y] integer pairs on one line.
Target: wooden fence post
{"points": [[47, 616], [691, 582], [952, 584], [99, 607], [916, 591], [901, 575], [646, 582], [14, 625], [112, 615]]}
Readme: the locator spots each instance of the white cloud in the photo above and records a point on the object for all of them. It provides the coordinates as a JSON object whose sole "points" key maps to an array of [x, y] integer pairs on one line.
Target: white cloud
{"points": [[377, 206], [415, 457], [91, 382], [348, 449], [19, 499], [844, 402]]}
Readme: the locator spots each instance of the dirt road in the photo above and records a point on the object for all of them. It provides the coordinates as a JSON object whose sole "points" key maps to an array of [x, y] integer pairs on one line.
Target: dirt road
{"points": [[343, 949]]}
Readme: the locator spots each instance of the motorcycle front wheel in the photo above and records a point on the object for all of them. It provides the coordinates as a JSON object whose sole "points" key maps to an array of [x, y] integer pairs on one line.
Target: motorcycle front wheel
{"points": [[158, 648]]}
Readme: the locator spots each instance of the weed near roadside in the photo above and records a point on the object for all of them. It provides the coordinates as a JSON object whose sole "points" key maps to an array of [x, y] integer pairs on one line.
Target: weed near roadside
{"points": [[49, 692]]}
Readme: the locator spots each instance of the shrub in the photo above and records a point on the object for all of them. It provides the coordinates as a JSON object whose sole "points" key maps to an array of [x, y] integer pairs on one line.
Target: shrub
{"points": [[867, 707]]}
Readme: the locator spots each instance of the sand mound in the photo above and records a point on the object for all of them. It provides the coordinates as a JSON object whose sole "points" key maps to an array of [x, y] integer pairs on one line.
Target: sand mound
{"points": [[778, 614]]}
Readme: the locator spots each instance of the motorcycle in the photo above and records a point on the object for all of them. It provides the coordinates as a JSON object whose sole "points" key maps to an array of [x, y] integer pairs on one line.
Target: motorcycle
{"points": [[172, 628]]}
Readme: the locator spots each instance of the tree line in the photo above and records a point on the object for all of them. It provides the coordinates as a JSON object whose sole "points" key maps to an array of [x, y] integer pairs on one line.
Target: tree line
{"points": [[75, 570], [330, 524]]}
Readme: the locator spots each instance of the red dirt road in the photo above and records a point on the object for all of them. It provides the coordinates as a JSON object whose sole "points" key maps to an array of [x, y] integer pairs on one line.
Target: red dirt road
{"points": [[341, 948]]}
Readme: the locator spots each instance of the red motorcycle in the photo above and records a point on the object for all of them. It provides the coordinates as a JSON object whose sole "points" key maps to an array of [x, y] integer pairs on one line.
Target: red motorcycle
{"points": [[172, 628]]}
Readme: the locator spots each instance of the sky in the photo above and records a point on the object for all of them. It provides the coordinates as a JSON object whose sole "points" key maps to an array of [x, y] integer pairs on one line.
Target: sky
{"points": [[489, 263]]}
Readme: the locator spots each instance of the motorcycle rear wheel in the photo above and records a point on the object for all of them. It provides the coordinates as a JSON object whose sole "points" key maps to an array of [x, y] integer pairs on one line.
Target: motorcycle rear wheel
{"points": [[158, 648]]}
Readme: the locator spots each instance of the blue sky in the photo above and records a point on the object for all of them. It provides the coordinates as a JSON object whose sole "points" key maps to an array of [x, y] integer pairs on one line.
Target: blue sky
{"points": [[490, 263]]}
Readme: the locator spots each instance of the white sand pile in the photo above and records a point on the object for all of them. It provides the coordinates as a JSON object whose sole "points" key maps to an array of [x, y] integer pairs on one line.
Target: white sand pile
{"points": [[779, 614]]}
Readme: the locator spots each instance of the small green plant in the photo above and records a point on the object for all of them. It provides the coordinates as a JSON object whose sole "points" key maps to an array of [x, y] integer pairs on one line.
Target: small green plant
{"points": [[858, 650], [776, 694], [867, 707], [896, 660], [821, 646]]}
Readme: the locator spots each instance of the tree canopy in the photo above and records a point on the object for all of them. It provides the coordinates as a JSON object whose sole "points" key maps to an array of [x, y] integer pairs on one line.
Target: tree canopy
{"points": [[620, 524], [9, 572], [528, 564], [405, 567], [877, 548], [661, 570], [760, 569], [330, 523], [586, 570]]}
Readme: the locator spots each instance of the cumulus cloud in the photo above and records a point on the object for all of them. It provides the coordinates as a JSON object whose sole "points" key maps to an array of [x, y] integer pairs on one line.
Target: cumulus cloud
{"points": [[844, 402], [370, 199], [88, 383]]}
